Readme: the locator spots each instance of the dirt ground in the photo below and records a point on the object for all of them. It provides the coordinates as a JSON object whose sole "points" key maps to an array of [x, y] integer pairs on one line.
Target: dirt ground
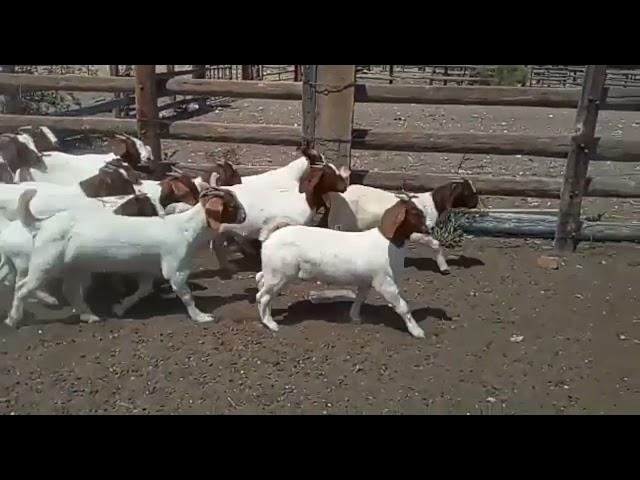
{"points": [[503, 335]]}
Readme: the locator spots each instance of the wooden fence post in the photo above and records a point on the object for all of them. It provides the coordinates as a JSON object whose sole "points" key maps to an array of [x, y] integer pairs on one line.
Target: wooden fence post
{"points": [[114, 71], [10, 100], [309, 104], [171, 69], [247, 72], [201, 71], [147, 110], [583, 148], [328, 108]]}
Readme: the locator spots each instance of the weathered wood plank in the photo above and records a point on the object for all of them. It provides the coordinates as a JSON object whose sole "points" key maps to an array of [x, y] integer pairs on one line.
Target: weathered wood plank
{"points": [[236, 88], [9, 100], [309, 104], [535, 187], [235, 133], [492, 224], [334, 111], [552, 146], [9, 123], [583, 147], [147, 109], [479, 143], [619, 98], [72, 83]]}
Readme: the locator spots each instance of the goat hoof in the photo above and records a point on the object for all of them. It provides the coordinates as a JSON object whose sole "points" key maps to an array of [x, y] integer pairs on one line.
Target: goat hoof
{"points": [[49, 301], [89, 318], [445, 272], [417, 332], [271, 325], [118, 310], [203, 318], [356, 319], [11, 322]]}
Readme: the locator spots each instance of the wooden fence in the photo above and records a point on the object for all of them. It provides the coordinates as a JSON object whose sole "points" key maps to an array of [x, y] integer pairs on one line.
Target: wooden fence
{"points": [[560, 76], [332, 91]]}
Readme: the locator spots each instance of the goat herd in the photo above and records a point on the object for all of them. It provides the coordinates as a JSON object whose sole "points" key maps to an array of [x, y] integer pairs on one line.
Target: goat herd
{"points": [[72, 216]]}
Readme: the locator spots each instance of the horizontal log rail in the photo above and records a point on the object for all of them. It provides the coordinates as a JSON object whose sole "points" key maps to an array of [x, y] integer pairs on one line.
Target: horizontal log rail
{"points": [[494, 224], [554, 146], [535, 187], [618, 98]]}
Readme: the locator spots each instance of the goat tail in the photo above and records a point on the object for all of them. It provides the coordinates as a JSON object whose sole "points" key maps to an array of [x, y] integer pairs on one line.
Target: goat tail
{"points": [[274, 224], [26, 217]]}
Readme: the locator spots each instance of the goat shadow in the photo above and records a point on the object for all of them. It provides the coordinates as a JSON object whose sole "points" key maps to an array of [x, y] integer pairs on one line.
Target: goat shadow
{"points": [[338, 312], [147, 308], [243, 265], [425, 264]]}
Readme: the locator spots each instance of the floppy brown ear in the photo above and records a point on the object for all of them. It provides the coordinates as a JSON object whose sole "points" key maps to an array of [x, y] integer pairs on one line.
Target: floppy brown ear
{"points": [[310, 181], [308, 186], [392, 219], [171, 191], [213, 210], [175, 190]]}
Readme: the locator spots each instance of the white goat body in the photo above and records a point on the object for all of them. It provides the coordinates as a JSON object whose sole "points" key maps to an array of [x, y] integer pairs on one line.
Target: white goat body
{"points": [[284, 177], [361, 208], [270, 195], [75, 244], [52, 199], [366, 259], [16, 247], [68, 169]]}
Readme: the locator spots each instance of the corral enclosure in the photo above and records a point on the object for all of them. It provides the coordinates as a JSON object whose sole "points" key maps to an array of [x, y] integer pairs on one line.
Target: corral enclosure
{"points": [[579, 324]]}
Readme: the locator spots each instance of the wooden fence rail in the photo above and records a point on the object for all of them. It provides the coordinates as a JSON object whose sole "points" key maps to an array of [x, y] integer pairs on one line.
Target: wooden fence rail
{"points": [[617, 98], [534, 187], [553, 146]]}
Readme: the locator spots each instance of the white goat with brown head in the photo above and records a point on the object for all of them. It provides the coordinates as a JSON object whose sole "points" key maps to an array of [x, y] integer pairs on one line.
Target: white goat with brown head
{"points": [[361, 208], [370, 259]]}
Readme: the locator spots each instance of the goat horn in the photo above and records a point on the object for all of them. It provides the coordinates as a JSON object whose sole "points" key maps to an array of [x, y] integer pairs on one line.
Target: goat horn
{"points": [[405, 196], [211, 190]]}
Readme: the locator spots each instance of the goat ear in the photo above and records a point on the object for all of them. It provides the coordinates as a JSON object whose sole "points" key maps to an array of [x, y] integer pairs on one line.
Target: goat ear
{"points": [[392, 219], [169, 192], [174, 190], [310, 181], [213, 179], [213, 210]]}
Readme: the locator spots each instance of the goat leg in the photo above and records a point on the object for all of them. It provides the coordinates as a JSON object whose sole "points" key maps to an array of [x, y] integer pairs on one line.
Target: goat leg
{"points": [[387, 287], [145, 287], [74, 288], [431, 242]]}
